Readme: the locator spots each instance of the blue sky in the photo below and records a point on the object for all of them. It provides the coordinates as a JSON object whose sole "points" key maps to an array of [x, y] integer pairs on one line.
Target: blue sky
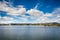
{"points": [[29, 11]]}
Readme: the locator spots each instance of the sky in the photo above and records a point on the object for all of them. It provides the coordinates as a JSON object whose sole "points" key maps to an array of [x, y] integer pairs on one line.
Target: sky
{"points": [[29, 11]]}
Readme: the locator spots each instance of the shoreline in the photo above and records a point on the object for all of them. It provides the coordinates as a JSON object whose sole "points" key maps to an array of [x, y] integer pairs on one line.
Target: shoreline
{"points": [[30, 25]]}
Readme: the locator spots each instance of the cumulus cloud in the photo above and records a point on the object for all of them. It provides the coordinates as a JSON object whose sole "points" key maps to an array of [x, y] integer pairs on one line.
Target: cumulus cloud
{"points": [[39, 16], [55, 15], [36, 16], [48, 14], [56, 12], [34, 13], [5, 19], [5, 6]]}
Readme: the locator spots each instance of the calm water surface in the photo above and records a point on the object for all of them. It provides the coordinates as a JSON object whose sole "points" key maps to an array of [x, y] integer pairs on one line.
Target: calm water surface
{"points": [[29, 33]]}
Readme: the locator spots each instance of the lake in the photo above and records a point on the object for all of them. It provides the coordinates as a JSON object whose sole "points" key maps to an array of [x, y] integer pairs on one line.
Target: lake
{"points": [[29, 33]]}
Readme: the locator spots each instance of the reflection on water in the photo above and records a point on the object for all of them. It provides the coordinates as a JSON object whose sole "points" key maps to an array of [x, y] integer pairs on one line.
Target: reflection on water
{"points": [[29, 33]]}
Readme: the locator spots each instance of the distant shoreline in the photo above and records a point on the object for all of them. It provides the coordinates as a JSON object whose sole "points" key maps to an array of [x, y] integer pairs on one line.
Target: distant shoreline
{"points": [[38, 24]]}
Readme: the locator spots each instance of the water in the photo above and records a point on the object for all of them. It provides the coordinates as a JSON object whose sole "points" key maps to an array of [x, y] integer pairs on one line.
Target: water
{"points": [[29, 33]]}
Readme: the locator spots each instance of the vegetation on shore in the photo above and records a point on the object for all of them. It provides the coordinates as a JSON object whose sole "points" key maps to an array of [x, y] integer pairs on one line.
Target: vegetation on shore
{"points": [[37, 24]]}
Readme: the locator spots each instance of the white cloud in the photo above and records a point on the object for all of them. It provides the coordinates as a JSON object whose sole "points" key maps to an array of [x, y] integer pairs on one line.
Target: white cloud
{"points": [[20, 10], [54, 16], [39, 16], [0, 17], [56, 11], [35, 14], [6, 20], [48, 14]]}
